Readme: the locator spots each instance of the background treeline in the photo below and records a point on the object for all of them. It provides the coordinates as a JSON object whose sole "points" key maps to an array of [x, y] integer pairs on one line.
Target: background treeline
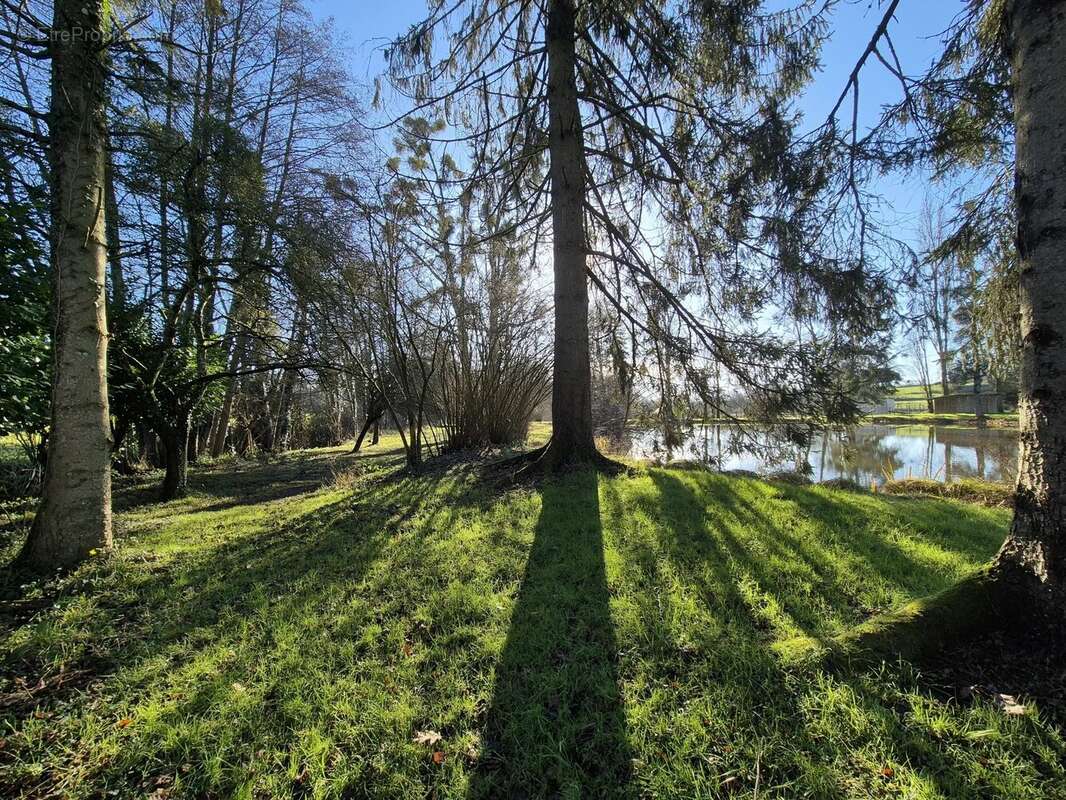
{"points": [[276, 279], [273, 279]]}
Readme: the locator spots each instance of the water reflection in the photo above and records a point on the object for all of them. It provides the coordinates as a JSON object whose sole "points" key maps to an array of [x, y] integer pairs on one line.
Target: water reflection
{"points": [[866, 454]]}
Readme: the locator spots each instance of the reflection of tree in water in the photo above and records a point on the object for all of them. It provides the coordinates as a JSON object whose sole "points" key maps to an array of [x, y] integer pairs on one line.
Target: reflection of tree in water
{"points": [[859, 453], [862, 454], [771, 446], [994, 453]]}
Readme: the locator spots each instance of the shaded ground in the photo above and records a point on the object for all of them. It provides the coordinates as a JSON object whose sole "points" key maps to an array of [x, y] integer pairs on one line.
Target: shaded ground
{"points": [[1028, 666], [310, 627]]}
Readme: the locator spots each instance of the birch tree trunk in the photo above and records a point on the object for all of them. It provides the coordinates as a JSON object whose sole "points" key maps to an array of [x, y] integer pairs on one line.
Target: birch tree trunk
{"points": [[74, 516], [1034, 556], [572, 435]]}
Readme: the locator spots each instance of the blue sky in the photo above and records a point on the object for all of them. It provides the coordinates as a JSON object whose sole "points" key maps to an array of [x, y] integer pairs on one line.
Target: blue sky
{"points": [[367, 25]]}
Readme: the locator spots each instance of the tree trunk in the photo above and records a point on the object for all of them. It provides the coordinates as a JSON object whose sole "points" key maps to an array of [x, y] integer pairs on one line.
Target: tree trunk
{"points": [[371, 422], [114, 255], [176, 458], [74, 516], [236, 360], [572, 435], [192, 447], [1033, 558], [288, 379]]}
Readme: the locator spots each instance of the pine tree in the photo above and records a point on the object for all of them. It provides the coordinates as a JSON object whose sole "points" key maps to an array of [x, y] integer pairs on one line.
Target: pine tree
{"points": [[614, 119]]}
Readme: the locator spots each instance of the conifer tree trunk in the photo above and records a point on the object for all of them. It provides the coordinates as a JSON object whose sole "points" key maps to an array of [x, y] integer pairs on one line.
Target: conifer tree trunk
{"points": [[74, 516], [572, 434], [1034, 555]]}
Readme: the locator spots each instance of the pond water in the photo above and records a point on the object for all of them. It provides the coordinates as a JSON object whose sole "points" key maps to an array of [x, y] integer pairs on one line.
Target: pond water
{"points": [[866, 454]]}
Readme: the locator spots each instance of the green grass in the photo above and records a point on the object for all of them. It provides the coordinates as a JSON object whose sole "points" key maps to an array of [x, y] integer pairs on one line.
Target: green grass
{"points": [[290, 628], [10, 449], [916, 391]]}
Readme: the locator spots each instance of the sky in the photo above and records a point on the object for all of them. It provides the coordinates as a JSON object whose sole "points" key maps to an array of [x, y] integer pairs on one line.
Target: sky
{"points": [[367, 25]]}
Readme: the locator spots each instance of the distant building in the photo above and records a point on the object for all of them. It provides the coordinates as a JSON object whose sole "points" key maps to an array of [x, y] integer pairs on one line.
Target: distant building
{"points": [[969, 403]]}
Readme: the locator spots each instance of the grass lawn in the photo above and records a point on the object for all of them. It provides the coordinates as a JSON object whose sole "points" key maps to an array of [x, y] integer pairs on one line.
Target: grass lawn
{"points": [[310, 627], [916, 391]]}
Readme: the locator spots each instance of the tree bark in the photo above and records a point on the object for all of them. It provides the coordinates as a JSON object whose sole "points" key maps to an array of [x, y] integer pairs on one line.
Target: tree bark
{"points": [[176, 459], [236, 360], [572, 433], [371, 422], [1033, 558], [288, 380], [114, 245], [74, 516]]}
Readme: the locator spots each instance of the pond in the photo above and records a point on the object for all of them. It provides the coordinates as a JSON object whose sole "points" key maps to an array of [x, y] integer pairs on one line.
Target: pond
{"points": [[866, 454]]}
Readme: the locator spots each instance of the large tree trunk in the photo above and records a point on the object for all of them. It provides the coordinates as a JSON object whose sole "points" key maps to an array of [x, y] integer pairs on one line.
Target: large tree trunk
{"points": [[1034, 555], [75, 512], [175, 440], [572, 435]]}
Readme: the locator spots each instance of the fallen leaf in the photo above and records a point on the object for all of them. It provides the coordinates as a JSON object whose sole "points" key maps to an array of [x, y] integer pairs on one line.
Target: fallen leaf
{"points": [[1009, 704], [407, 649], [887, 772], [438, 757], [429, 738], [124, 722]]}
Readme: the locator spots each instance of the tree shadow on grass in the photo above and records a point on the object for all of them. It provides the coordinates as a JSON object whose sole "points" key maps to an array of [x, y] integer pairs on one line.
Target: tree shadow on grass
{"points": [[216, 644], [719, 545], [820, 582], [555, 725], [250, 482]]}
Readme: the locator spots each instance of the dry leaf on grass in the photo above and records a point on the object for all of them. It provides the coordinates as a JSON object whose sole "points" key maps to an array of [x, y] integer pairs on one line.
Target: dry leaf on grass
{"points": [[1009, 704], [428, 738]]}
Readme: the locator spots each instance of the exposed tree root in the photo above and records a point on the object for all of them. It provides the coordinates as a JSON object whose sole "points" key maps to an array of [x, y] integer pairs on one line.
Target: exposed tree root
{"points": [[918, 630], [548, 460]]}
